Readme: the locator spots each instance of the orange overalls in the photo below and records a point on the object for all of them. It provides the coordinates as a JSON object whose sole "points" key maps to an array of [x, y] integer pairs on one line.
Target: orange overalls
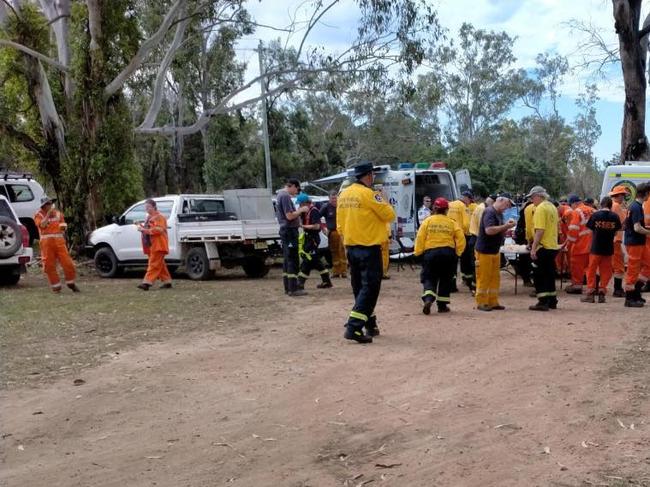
{"points": [[618, 260], [53, 248], [156, 228], [562, 259], [579, 238], [637, 262]]}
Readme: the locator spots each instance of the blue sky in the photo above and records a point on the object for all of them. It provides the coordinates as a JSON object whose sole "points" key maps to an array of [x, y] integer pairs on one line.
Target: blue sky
{"points": [[538, 25]]}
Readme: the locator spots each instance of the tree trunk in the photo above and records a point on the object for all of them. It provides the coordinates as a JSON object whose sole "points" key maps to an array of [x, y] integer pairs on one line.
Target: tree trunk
{"points": [[634, 144]]}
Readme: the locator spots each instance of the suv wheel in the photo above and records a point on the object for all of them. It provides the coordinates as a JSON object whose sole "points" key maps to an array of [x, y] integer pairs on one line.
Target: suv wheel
{"points": [[9, 276], [197, 264], [11, 237], [106, 262]]}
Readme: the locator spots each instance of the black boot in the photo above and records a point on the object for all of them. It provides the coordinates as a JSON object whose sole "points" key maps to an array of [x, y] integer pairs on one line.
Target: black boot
{"points": [[356, 334], [294, 291], [327, 282], [443, 308], [372, 330], [637, 291], [631, 302], [618, 288], [301, 283], [428, 302], [646, 287]]}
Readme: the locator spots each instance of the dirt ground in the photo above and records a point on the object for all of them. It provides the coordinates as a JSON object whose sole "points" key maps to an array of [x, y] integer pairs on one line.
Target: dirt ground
{"points": [[229, 382]]}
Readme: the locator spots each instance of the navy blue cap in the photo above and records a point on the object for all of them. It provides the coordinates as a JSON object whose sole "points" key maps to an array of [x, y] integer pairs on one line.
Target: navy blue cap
{"points": [[574, 198]]}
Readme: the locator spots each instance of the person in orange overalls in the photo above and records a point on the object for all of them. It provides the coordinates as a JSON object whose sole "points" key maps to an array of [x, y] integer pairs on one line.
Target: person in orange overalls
{"points": [[562, 260], [638, 251], [51, 227], [154, 238], [618, 194], [579, 243]]}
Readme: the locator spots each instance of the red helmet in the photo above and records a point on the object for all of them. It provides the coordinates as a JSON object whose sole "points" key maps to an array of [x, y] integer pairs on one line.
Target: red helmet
{"points": [[441, 203]]}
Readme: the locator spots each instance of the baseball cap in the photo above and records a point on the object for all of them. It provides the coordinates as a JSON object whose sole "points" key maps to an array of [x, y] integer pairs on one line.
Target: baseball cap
{"points": [[574, 198], [537, 190], [441, 203], [617, 190]]}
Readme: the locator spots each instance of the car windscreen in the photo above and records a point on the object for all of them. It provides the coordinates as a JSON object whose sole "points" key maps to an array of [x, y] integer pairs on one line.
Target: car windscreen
{"points": [[138, 214], [5, 210]]}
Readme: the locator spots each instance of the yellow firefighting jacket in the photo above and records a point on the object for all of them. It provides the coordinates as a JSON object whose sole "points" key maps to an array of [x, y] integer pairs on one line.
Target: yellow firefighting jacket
{"points": [[439, 231], [362, 215], [458, 211]]}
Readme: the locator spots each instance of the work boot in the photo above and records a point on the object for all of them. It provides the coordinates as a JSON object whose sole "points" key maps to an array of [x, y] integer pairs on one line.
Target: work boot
{"points": [[372, 330], [601, 296], [539, 306], [552, 304], [484, 307], [327, 282], [646, 287], [356, 334], [301, 283], [443, 308], [588, 298], [426, 307], [498, 307], [618, 288], [74, 288], [574, 289], [144, 286], [297, 293], [294, 291], [166, 285], [637, 291], [631, 302]]}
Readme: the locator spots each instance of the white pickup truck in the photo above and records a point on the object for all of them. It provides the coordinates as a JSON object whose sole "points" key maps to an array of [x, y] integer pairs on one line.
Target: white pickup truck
{"points": [[206, 233]]}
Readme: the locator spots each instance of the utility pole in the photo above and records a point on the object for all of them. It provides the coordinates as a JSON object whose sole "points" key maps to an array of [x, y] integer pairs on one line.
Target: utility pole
{"points": [[265, 122]]}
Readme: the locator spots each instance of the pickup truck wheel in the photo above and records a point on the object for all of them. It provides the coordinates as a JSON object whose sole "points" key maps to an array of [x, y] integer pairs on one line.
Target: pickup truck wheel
{"points": [[9, 277], [11, 237], [255, 267], [197, 264], [106, 262]]}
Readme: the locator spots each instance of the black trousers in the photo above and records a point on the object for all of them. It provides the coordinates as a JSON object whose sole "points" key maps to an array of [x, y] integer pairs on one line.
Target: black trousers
{"points": [[544, 274], [312, 259], [438, 267], [467, 262], [366, 272], [290, 263]]}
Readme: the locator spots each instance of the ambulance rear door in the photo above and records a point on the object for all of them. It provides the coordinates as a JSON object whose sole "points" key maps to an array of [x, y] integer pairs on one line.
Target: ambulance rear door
{"points": [[463, 181]]}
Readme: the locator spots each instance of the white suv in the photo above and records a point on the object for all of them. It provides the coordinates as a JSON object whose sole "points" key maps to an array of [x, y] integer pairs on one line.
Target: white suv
{"points": [[15, 252], [24, 194]]}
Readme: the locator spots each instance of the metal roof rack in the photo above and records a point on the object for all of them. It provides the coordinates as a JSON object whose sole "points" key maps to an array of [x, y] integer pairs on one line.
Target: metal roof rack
{"points": [[6, 175]]}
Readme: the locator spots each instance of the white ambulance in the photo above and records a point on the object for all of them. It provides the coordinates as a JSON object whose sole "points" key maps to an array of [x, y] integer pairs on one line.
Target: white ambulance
{"points": [[629, 175], [407, 185]]}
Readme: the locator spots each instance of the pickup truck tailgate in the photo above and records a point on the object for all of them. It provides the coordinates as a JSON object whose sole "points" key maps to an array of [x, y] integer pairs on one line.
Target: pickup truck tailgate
{"points": [[228, 231]]}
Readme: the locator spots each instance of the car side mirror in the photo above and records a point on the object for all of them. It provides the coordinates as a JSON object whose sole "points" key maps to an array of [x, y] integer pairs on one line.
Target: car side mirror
{"points": [[120, 221]]}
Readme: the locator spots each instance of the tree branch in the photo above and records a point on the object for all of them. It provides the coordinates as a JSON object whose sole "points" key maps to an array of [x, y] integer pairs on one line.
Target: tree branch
{"points": [[145, 49], [24, 139], [35, 54], [159, 83]]}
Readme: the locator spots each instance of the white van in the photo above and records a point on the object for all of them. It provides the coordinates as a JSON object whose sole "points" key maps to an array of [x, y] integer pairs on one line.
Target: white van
{"points": [[408, 185], [630, 175]]}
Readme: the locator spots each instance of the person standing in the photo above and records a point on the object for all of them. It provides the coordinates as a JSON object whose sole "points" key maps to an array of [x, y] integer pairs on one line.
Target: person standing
{"points": [[442, 241], [425, 210], [459, 211], [154, 232], [477, 214], [51, 228], [488, 258], [289, 219], [544, 249], [361, 218], [523, 235], [618, 194], [645, 265], [604, 225], [335, 243], [311, 259], [578, 242], [638, 252]]}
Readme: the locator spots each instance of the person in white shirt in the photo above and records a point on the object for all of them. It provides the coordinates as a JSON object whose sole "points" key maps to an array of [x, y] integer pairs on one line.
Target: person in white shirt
{"points": [[425, 210]]}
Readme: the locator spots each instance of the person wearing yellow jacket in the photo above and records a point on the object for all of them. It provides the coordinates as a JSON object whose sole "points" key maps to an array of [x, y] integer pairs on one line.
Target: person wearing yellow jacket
{"points": [[460, 212], [441, 240], [361, 218]]}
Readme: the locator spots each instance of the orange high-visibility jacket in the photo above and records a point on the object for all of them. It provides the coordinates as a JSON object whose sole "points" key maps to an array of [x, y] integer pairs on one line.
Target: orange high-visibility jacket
{"points": [[53, 228], [158, 231], [621, 211], [579, 235], [564, 212]]}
